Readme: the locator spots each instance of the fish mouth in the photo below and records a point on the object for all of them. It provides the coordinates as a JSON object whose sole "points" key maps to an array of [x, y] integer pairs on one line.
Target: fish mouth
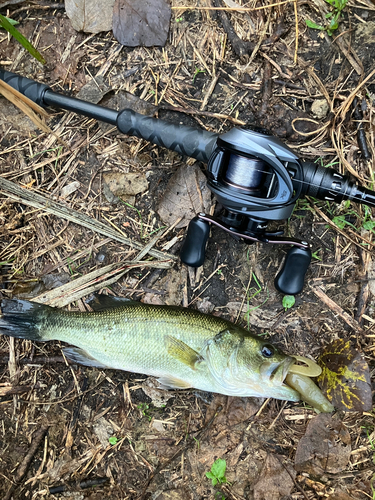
{"points": [[276, 372]]}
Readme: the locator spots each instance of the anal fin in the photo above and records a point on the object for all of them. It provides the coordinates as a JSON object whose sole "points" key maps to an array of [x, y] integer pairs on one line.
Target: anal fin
{"points": [[77, 355]]}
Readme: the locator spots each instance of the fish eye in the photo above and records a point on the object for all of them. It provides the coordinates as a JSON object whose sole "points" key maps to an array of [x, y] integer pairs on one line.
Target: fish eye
{"points": [[268, 351]]}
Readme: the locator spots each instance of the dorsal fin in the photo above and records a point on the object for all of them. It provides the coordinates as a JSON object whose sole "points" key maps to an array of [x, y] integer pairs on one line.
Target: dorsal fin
{"points": [[101, 302]]}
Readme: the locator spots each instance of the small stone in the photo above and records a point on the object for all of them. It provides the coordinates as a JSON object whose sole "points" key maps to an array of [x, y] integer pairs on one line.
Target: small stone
{"points": [[320, 108], [69, 189]]}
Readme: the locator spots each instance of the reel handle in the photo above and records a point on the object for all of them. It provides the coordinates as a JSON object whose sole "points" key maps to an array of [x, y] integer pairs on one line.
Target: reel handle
{"points": [[194, 247], [291, 277]]}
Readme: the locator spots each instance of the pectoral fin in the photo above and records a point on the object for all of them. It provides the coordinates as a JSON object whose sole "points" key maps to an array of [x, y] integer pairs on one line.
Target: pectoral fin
{"points": [[77, 355], [181, 351]]}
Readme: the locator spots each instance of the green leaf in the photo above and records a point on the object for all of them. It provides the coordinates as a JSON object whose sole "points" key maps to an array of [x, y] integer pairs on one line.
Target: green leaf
{"points": [[345, 377], [21, 39], [112, 440], [314, 26], [340, 4], [288, 301], [218, 468], [341, 222], [369, 225]]}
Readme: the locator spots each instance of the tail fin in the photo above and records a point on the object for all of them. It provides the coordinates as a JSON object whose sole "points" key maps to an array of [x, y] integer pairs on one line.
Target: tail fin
{"points": [[22, 319]]}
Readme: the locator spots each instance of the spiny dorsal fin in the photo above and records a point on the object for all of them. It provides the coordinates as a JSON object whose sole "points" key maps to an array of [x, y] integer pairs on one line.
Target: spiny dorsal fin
{"points": [[181, 351], [101, 302]]}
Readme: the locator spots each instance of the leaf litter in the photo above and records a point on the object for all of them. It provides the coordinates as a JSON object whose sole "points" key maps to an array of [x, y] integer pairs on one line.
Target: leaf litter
{"points": [[345, 377], [90, 16], [332, 456], [185, 195], [141, 23], [144, 23]]}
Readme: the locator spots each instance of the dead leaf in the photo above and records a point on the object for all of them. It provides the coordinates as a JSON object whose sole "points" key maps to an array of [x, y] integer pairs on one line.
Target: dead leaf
{"points": [[30, 108], [145, 22], [340, 495], [94, 90], [103, 431], [232, 5], [153, 298], [345, 377], [20, 121], [70, 189], [173, 285], [159, 397], [118, 185], [186, 195], [275, 481], [126, 100], [90, 16], [174, 494], [234, 410], [205, 306], [325, 447]]}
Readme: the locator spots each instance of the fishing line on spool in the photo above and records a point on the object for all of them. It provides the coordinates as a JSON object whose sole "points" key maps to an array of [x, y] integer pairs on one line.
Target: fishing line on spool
{"points": [[250, 173]]}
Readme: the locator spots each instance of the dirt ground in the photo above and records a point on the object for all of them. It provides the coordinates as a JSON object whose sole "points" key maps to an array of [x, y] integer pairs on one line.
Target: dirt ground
{"points": [[69, 431]]}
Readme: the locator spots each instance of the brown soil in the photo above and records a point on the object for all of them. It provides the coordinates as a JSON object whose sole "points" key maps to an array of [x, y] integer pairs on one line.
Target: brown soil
{"points": [[147, 443]]}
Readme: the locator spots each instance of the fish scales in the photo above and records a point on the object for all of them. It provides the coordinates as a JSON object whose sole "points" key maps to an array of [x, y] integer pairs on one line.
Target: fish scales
{"points": [[130, 337]]}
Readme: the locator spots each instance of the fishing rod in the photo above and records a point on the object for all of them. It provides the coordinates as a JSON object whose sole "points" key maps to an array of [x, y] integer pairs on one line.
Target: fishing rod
{"points": [[255, 177]]}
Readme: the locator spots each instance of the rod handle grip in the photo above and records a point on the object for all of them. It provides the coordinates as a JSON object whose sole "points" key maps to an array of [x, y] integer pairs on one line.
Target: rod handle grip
{"points": [[188, 141], [29, 88]]}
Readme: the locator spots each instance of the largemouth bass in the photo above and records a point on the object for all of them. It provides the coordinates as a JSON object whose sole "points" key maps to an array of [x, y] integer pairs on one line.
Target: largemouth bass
{"points": [[183, 348]]}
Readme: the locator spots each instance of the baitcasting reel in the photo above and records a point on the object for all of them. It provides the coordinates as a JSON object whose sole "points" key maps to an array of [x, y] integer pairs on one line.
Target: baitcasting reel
{"points": [[258, 179], [253, 175]]}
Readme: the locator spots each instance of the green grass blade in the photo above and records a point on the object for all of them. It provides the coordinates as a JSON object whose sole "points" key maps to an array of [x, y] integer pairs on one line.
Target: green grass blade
{"points": [[313, 25], [21, 39], [12, 21]]}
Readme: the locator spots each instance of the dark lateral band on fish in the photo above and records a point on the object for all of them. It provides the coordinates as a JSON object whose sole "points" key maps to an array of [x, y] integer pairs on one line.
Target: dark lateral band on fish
{"points": [[183, 348]]}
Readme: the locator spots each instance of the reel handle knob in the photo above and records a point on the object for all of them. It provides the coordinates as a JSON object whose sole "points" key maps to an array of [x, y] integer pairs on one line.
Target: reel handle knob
{"points": [[291, 277], [194, 247]]}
